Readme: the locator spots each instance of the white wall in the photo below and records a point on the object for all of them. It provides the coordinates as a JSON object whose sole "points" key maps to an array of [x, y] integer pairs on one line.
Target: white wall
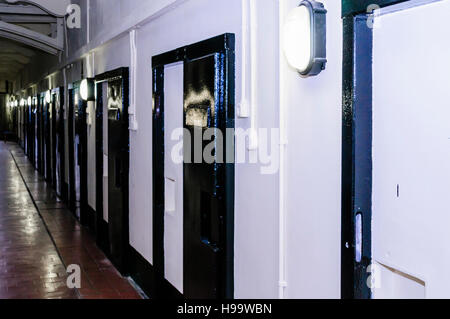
{"points": [[160, 35], [54, 6], [313, 170]]}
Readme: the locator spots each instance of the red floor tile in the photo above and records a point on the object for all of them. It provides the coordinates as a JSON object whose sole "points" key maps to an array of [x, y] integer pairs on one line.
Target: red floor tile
{"points": [[31, 266]]}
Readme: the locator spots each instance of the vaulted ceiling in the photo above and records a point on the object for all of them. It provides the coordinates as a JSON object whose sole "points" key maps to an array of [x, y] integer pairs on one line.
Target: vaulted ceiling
{"points": [[28, 31]]}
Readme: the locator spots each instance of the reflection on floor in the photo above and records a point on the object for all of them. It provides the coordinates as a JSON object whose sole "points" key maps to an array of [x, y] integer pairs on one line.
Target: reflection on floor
{"points": [[35, 251]]}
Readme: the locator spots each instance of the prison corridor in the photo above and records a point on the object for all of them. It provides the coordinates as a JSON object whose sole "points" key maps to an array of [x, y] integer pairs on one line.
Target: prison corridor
{"points": [[40, 238]]}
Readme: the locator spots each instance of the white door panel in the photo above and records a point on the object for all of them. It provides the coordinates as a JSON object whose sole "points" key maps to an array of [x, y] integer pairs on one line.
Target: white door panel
{"points": [[411, 152], [173, 173]]}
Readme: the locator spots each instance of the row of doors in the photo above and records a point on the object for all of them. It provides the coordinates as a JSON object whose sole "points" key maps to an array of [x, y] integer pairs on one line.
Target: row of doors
{"points": [[56, 141], [193, 203]]}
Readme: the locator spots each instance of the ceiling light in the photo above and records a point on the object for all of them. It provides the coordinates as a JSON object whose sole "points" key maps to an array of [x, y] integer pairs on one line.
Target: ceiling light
{"points": [[48, 97]]}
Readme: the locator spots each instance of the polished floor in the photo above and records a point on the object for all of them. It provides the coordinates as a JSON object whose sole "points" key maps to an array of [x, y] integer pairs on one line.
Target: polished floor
{"points": [[40, 238]]}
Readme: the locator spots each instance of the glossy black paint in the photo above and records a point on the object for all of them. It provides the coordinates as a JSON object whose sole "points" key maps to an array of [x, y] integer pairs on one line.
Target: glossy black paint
{"points": [[118, 166], [208, 189], [71, 134], [36, 147], [47, 142], [356, 154], [101, 227], [59, 142], [53, 119], [353, 7], [81, 132], [78, 154], [158, 178], [37, 143], [27, 125]]}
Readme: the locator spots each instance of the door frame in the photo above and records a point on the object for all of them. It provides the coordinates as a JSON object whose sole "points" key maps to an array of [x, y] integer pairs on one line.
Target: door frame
{"points": [[47, 139], [71, 196], [357, 145], [60, 132], [220, 44], [102, 228], [83, 164]]}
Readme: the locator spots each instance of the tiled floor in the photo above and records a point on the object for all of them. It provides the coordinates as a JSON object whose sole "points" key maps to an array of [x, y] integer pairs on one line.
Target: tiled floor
{"points": [[35, 250]]}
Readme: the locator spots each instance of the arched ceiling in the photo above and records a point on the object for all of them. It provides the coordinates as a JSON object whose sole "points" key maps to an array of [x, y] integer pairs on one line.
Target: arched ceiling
{"points": [[28, 31], [13, 58]]}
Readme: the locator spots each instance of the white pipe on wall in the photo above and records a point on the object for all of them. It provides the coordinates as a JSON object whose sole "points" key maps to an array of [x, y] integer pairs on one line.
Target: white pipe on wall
{"points": [[253, 138], [244, 106], [282, 284], [90, 73], [133, 82]]}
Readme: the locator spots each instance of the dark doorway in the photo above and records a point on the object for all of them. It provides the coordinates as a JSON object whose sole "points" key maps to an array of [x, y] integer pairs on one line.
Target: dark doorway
{"points": [[78, 154], [58, 138], [53, 138], [27, 124], [112, 145], [46, 116], [40, 145], [208, 203]]}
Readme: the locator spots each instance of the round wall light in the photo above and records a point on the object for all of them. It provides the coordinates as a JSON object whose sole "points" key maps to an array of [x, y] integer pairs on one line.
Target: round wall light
{"points": [[87, 92], [304, 38], [48, 97]]}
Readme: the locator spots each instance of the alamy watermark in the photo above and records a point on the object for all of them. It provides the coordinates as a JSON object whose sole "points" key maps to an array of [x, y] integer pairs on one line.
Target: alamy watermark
{"points": [[213, 146], [73, 20], [74, 278], [373, 11]]}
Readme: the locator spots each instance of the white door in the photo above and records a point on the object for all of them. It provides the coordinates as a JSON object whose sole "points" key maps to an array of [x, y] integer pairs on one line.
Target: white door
{"points": [[173, 174], [411, 152]]}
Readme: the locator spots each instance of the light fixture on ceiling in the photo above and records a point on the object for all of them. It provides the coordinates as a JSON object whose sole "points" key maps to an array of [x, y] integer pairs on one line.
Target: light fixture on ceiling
{"points": [[87, 90], [48, 97], [304, 38]]}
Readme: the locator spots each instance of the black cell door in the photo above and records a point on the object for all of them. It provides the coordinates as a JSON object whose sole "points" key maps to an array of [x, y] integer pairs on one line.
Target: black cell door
{"points": [[40, 146], [208, 190], [81, 157], [101, 227], [27, 121], [112, 142], [59, 142], [78, 154], [204, 195], [37, 116], [53, 140], [118, 167], [47, 142], [71, 137]]}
